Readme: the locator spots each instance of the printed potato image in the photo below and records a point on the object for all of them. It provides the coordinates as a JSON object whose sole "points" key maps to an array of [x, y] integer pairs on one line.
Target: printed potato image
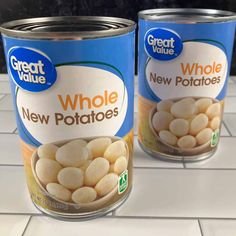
{"points": [[185, 125], [82, 173]]}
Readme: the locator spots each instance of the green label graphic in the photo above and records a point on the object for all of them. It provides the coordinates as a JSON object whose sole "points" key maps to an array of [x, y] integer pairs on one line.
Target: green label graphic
{"points": [[123, 182], [215, 138]]}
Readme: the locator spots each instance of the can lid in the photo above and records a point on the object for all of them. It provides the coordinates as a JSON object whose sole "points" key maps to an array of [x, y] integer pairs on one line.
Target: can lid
{"points": [[67, 27], [187, 15]]}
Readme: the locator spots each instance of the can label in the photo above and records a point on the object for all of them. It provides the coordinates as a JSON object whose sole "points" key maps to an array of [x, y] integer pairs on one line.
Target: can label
{"points": [[183, 72], [74, 108]]}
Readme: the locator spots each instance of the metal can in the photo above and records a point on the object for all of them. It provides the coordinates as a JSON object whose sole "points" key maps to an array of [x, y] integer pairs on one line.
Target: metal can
{"points": [[184, 62], [72, 86]]}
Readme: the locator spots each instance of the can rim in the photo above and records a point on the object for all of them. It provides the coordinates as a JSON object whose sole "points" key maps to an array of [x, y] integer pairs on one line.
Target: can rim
{"points": [[216, 15], [20, 28]]}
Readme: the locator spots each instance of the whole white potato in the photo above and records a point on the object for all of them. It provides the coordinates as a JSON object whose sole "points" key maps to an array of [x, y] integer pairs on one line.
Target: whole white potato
{"points": [[164, 105], [188, 100], [47, 170], [213, 110], [106, 184], [198, 123], [120, 165], [187, 142], [184, 108], [71, 177], [215, 123], [179, 127], [203, 103], [98, 146], [98, 168], [84, 195], [204, 136], [47, 150], [73, 154], [115, 150], [168, 137], [161, 120], [59, 191]]}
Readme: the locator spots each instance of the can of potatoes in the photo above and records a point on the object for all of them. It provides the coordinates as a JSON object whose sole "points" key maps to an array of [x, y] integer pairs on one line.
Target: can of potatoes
{"points": [[72, 86], [184, 63]]}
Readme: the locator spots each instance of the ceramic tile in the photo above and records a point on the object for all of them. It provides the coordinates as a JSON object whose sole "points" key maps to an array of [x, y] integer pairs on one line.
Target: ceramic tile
{"points": [[233, 78], [142, 159], [230, 104], [3, 77], [231, 91], [224, 131], [10, 153], [14, 193], [230, 122], [182, 193], [113, 226], [13, 225], [218, 227], [224, 158], [7, 122], [6, 103], [4, 87]]}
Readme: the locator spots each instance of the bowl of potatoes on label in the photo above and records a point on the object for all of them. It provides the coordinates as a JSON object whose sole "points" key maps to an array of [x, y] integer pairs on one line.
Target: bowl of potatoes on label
{"points": [[82, 173], [185, 125]]}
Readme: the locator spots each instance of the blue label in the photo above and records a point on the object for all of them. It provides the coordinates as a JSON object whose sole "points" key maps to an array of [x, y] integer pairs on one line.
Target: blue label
{"points": [[31, 70], [163, 44], [37, 123]]}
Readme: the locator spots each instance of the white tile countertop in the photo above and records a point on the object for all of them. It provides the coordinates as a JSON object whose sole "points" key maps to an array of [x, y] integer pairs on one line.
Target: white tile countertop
{"points": [[168, 199]]}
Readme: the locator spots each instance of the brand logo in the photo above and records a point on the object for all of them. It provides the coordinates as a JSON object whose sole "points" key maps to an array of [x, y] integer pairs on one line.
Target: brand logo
{"points": [[31, 69], [163, 44]]}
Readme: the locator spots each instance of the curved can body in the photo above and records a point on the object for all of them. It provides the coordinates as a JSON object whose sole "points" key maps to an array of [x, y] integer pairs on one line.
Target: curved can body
{"points": [[184, 63], [72, 86]]}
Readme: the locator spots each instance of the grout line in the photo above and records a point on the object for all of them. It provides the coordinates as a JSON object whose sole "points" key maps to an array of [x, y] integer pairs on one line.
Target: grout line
{"points": [[136, 217], [26, 226], [21, 214], [14, 133], [200, 227], [11, 132], [186, 169], [184, 164], [14, 130], [159, 168], [4, 95], [153, 168], [14, 165], [226, 127], [230, 113], [225, 136], [170, 218]]}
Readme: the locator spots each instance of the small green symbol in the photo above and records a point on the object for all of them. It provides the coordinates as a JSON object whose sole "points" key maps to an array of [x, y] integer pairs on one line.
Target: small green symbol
{"points": [[123, 182], [215, 138]]}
